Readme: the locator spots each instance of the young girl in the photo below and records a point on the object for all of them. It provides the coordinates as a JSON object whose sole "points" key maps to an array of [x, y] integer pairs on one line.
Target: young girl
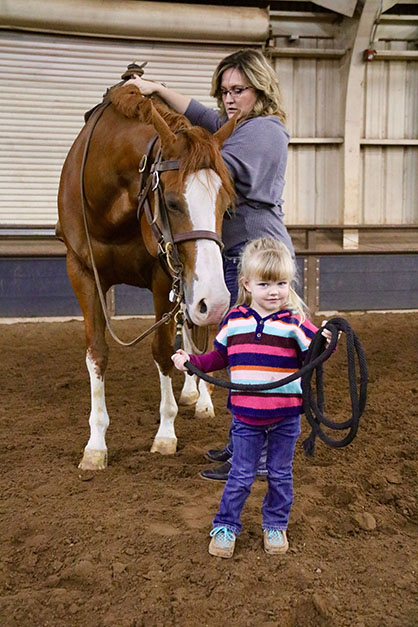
{"points": [[263, 339]]}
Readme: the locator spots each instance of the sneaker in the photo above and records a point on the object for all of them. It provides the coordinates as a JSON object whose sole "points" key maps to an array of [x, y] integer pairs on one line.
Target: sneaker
{"points": [[218, 455], [222, 543], [217, 474], [275, 541]]}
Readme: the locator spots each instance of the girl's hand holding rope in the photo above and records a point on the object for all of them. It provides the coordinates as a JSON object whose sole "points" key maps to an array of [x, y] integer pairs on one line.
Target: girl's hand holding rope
{"points": [[327, 334], [179, 359]]}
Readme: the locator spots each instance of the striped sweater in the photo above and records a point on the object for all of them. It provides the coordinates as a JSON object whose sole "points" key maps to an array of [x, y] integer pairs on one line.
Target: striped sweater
{"points": [[260, 350]]}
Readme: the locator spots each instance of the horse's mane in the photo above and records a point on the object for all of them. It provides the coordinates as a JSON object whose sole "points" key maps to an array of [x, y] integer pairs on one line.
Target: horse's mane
{"points": [[127, 99], [202, 151]]}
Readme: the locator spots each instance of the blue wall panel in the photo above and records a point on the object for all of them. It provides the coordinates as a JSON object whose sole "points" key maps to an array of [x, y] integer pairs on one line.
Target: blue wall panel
{"points": [[39, 286], [32, 286], [133, 301], [356, 282]]}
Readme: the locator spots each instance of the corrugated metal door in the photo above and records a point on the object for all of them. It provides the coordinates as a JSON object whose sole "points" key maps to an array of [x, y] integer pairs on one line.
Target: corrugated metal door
{"points": [[47, 82]]}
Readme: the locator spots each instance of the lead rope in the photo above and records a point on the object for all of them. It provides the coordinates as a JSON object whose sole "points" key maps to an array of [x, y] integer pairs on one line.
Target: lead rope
{"points": [[313, 409]]}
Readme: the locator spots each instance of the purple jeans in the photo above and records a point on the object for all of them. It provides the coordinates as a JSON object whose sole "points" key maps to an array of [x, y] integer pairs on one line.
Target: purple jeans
{"points": [[247, 443]]}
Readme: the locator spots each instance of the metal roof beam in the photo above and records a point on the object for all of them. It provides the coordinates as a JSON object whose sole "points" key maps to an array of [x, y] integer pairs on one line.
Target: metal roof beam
{"points": [[138, 20], [304, 24], [345, 7]]}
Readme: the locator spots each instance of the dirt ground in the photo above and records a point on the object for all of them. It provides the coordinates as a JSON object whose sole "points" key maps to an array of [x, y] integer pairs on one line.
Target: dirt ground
{"points": [[127, 547]]}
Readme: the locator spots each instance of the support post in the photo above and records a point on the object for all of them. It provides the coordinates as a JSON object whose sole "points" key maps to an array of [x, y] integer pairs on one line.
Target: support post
{"points": [[354, 117]]}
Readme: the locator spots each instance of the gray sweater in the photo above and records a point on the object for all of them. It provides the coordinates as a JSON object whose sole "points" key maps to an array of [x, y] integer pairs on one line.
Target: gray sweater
{"points": [[256, 156]]}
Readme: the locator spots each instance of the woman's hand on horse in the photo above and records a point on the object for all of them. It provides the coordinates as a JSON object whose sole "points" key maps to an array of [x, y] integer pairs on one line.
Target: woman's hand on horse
{"points": [[147, 88], [178, 102], [179, 359]]}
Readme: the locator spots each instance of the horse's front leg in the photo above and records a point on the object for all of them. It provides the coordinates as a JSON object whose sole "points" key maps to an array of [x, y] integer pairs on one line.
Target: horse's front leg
{"points": [[95, 452], [165, 441]]}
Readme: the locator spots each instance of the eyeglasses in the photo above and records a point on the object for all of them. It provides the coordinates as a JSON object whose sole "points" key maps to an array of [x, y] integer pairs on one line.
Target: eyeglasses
{"points": [[235, 92]]}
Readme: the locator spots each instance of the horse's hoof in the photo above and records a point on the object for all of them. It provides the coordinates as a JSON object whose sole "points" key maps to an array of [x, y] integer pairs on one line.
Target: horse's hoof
{"points": [[93, 460], [204, 412], [165, 446], [188, 399]]}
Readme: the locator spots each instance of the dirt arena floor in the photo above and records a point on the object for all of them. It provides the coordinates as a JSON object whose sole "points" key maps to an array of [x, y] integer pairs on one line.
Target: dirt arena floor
{"points": [[127, 547]]}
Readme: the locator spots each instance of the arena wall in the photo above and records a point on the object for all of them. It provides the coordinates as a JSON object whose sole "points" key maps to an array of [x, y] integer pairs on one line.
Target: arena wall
{"points": [[351, 196]]}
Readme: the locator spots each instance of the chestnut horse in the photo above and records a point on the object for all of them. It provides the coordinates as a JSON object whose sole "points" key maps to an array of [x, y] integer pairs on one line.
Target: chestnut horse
{"points": [[110, 241]]}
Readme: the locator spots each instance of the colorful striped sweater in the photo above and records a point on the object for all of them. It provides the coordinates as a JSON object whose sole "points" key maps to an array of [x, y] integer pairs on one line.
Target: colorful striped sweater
{"points": [[260, 350]]}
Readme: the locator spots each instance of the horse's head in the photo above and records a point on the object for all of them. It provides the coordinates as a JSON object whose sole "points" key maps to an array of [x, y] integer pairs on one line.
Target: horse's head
{"points": [[196, 196]]}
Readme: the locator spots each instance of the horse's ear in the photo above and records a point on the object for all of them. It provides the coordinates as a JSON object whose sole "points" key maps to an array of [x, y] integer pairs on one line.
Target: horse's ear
{"points": [[226, 129], [151, 116]]}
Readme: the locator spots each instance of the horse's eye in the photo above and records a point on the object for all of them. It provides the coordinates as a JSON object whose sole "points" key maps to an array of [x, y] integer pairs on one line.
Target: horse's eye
{"points": [[172, 202]]}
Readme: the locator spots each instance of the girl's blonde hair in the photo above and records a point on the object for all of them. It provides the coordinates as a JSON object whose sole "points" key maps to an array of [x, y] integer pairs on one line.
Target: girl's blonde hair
{"points": [[268, 259], [260, 75]]}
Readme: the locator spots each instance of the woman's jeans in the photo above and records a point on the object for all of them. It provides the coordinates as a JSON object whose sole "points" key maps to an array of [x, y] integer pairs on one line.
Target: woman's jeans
{"points": [[230, 267], [248, 441]]}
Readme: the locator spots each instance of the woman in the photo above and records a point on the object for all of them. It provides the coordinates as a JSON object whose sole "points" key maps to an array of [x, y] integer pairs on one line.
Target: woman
{"points": [[256, 156]]}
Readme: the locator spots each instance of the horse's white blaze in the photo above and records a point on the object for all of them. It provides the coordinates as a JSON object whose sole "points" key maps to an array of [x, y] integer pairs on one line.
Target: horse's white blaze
{"points": [[165, 441], [99, 418], [208, 285]]}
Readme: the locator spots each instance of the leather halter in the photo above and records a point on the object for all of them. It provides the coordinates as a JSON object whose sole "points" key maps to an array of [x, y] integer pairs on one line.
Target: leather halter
{"points": [[166, 240]]}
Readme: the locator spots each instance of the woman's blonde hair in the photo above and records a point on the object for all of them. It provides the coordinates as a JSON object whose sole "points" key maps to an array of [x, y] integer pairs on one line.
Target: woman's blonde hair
{"points": [[260, 75], [268, 259]]}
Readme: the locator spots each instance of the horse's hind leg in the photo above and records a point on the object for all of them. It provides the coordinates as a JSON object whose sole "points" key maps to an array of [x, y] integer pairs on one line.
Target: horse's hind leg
{"points": [[204, 406], [95, 452], [196, 390]]}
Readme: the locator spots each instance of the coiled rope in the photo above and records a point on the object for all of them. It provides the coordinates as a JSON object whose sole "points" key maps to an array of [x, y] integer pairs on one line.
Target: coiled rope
{"points": [[314, 407]]}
